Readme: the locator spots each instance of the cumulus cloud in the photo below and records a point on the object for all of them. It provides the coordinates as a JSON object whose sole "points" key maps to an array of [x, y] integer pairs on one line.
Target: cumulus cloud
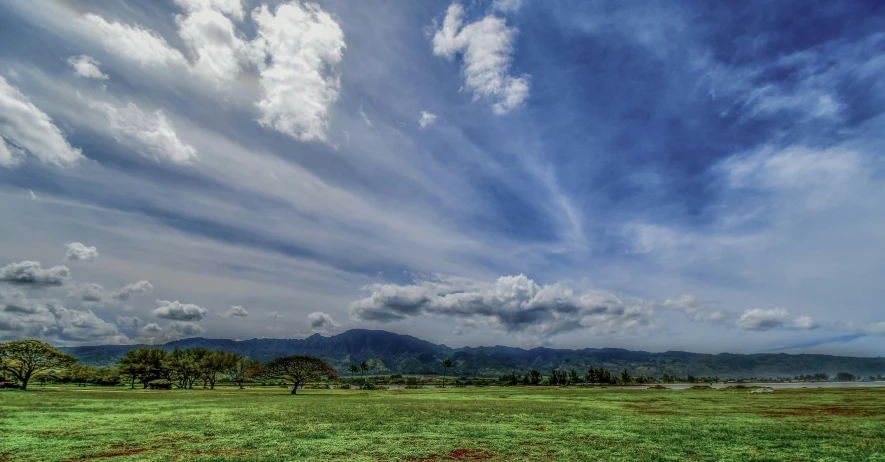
{"points": [[696, 310], [179, 311], [218, 50], [87, 66], [32, 273], [512, 304], [426, 119], [151, 133], [275, 315], [153, 333], [24, 128], [133, 43], [486, 47], [131, 323], [322, 322], [77, 251], [302, 45], [233, 8], [758, 319], [45, 319], [98, 295], [235, 310]]}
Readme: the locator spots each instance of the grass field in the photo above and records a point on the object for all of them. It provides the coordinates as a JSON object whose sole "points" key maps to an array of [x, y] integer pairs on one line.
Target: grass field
{"points": [[494, 424]]}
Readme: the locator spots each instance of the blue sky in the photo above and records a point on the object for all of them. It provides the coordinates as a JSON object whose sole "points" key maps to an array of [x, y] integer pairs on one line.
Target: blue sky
{"points": [[658, 176]]}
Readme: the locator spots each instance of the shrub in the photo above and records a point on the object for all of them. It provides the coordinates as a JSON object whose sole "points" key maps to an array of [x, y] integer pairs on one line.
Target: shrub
{"points": [[160, 384], [413, 387], [345, 386]]}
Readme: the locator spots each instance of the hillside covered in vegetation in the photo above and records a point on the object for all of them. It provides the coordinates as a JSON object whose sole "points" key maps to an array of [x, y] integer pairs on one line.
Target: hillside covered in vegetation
{"points": [[389, 353]]}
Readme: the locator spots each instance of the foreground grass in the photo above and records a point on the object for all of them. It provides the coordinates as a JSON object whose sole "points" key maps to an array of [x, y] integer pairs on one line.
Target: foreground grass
{"points": [[492, 424]]}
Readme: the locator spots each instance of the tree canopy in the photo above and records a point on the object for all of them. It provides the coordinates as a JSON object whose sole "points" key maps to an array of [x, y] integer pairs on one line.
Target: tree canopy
{"points": [[298, 369], [24, 358]]}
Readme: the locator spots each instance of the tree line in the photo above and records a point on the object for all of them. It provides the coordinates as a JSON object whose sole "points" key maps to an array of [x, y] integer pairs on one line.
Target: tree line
{"points": [[157, 368], [26, 360]]}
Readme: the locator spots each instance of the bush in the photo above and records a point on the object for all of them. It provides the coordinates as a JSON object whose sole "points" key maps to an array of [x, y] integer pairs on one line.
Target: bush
{"points": [[161, 384], [413, 387], [658, 387], [315, 386], [345, 386]]}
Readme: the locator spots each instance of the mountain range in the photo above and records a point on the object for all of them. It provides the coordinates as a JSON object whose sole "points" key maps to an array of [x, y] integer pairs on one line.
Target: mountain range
{"points": [[390, 353]]}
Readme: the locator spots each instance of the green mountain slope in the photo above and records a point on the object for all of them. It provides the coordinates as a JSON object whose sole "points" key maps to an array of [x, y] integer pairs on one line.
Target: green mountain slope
{"points": [[389, 353]]}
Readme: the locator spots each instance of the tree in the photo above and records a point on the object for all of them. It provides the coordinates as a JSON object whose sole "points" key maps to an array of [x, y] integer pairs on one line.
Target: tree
{"points": [[183, 370], [446, 365], [144, 364], [353, 369], [216, 363], [534, 377], [364, 366], [23, 358], [243, 369], [625, 376], [298, 369]]}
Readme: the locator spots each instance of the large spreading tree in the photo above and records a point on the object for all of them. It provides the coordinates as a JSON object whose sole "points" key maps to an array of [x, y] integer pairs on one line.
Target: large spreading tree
{"points": [[24, 358], [298, 369]]}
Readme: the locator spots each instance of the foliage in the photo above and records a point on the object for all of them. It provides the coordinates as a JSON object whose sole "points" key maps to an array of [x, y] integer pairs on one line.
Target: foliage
{"points": [[407, 355], [298, 369], [144, 364], [24, 358], [160, 384]]}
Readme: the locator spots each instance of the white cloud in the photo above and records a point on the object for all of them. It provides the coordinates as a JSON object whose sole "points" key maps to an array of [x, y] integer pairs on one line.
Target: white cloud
{"points": [[139, 287], [696, 310], [303, 45], [506, 6], [21, 317], [179, 311], [321, 322], [145, 47], [219, 51], [761, 320], [514, 304], [153, 333], [31, 273], [10, 156], [87, 66], [97, 295], [235, 310], [275, 315], [149, 132], [25, 128], [426, 119], [486, 47], [77, 251], [233, 8]]}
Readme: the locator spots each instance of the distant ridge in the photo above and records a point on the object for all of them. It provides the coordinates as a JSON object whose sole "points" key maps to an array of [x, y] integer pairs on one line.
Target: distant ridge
{"points": [[390, 353]]}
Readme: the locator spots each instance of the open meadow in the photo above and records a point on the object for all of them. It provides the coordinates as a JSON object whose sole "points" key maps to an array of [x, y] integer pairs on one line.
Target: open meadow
{"points": [[496, 423]]}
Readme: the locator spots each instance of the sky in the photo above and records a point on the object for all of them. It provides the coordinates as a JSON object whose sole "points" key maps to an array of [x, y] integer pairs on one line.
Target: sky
{"points": [[683, 175]]}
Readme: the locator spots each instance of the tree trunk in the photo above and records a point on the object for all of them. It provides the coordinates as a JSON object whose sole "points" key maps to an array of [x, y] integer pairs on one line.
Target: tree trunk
{"points": [[132, 386], [25, 380], [295, 388]]}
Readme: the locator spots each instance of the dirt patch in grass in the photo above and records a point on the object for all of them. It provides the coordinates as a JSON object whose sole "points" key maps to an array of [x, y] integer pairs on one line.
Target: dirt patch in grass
{"points": [[108, 455], [459, 454]]}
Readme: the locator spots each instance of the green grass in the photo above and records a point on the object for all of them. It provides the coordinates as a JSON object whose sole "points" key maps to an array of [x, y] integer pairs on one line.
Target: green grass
{"points": [[495, 424]]}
